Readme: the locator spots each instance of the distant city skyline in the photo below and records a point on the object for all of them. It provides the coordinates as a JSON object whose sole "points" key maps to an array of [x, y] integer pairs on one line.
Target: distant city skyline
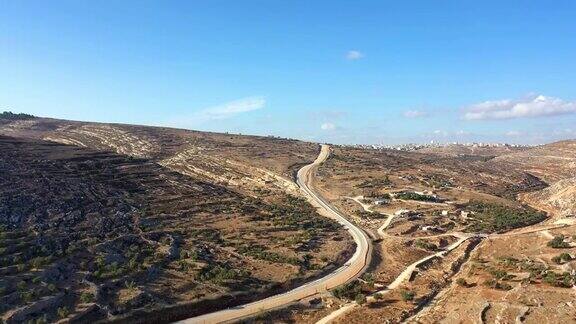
{"points": [[368, 72]]}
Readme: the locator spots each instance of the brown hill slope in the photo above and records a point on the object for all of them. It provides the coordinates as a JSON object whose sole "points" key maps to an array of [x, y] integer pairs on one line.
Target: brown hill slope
{"points": [[455, 150], [246, 162], [559, 199], [551, 162], [100, 234]]}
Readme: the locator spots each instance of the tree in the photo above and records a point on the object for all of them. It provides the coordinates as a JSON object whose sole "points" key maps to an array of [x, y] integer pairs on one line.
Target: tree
{"points": [[360, 299]]}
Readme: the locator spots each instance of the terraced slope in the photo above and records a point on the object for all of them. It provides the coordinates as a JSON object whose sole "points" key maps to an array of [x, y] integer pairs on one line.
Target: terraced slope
{"points": [[246, 162], [90, 235], [559, 199], [551, 162]]}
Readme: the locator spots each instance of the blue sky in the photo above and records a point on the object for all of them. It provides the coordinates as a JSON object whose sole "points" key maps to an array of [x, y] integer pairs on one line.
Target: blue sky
{"points": [[335, 71]]}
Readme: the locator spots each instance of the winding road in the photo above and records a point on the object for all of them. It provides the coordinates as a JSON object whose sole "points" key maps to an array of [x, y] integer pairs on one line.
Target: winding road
{"points": [[349, 271]]}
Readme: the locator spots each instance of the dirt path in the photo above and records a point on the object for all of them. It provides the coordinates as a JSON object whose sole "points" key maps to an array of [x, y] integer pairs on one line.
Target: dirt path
{"points": [[402, 277], [358, 199]]}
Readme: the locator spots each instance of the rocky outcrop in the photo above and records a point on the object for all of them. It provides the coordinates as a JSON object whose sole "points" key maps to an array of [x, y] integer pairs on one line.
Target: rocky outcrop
{"points": [[559, 199]]}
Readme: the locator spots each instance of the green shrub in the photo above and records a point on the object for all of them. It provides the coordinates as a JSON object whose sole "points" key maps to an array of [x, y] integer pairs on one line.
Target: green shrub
{"points": [[422, 244], [407, 295], [86, 297], [461, 282], [347, 291], [408, 195], [21, 285], [360, 299], [558, 242], [63, 312]]}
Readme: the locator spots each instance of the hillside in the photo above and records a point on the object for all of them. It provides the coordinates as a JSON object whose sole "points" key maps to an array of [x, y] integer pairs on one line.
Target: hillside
{"points": [[551, 162], [93, 234], [559, 199], [459, 150], [245, 162]]}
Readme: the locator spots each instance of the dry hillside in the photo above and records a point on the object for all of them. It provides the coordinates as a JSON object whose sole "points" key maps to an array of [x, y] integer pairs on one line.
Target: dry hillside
{"points": [[104, 222], [551, 162]]}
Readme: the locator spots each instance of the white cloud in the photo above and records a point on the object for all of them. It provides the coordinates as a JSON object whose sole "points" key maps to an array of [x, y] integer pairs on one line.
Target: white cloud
{"points": [[565, 131], [230, 109], [415, 114], [463, 133], [513, 133], [533, 106], [353, 55], [440, 132], [327, 126]]}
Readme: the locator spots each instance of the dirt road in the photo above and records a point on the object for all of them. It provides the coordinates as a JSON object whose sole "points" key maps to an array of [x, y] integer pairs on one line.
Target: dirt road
{"points": [[352, 269]]}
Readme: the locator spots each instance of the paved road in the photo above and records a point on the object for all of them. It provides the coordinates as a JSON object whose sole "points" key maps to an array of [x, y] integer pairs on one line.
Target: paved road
{"points": [[352, 269]]}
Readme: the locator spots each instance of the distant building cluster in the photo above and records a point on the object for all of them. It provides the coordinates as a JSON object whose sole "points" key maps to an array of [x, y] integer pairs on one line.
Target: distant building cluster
{"points": [[432, 144]]}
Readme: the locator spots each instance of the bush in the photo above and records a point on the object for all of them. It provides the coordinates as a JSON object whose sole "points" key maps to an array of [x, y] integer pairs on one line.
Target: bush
{"points": [[461, 282], [558, 242], [63, 312], [407, 295], [564, 280], [21, 285], [360, 299], [348, 291], [407, 195], [500, 274], [86, 297], [369, 278], [422, 244], [378, 296], [493, 283]]}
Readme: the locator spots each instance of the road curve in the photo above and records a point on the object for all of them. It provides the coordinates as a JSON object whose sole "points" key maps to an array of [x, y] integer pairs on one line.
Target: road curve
{"points": [[350, 270]]}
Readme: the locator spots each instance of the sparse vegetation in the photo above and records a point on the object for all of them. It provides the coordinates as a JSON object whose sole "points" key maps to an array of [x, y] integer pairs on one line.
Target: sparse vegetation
{"points": [[489, 217], [12, 116], [348, 291], [129, 224], [564, 280], [493, 283], [86, 297], [562, 258], [423, 244], [375, 183], [407, 295], [462, 282], [558, 242], [409, 195], [360, 299]]}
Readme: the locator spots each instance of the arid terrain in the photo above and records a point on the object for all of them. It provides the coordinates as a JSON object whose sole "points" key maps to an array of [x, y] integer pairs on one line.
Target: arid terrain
{"points": [[109, 222], [105, 222], [458, 237]]}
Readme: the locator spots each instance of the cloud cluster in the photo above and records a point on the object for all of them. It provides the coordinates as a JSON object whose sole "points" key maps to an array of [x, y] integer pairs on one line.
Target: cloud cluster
{"points": [[231, 109], [415, 114], [327, 126], [354, 55], [533, 106]]}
